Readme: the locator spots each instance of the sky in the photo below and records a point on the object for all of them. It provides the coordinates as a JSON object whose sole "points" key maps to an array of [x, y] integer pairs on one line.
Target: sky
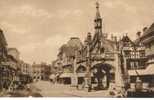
{"points": [[37, 28]]}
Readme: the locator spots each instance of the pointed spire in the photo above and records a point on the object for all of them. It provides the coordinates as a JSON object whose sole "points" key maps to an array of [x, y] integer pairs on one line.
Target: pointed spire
{"points": [[97, 12], [98, 22]]}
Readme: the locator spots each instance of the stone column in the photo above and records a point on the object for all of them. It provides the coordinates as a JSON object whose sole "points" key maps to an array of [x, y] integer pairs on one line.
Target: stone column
{"points": [[74, 77], [88, 72], [126, 75], [118, 74]]}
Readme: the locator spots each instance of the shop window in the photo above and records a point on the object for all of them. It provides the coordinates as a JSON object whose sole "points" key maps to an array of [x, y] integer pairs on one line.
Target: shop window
{"points": [[132, 79], [132, 65], [146, 79], [128, 65], [68, 70], [152, 81], [67, 80], [80, 80]]}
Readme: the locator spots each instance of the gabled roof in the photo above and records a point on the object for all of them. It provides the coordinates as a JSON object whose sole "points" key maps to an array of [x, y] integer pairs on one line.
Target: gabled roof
{"points": [[126, 39], [151, 29], [108, 45]]}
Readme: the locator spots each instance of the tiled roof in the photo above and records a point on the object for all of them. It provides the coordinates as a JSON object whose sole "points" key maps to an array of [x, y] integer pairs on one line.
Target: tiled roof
{"points": [[75, 42], [72, 45], [149, 31], [108, 45]]}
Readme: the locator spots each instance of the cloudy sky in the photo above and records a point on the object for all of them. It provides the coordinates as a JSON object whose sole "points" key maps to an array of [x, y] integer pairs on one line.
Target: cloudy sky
{"points": [[37, 28]]}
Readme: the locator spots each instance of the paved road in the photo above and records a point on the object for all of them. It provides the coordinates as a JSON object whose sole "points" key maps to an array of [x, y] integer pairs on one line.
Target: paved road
{"points": [[32, 92], [56, 90], [46, 89]]}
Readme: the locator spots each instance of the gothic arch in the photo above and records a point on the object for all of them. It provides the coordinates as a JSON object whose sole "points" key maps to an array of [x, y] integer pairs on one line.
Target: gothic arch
{"points": [[100, 71], [81, 69]]}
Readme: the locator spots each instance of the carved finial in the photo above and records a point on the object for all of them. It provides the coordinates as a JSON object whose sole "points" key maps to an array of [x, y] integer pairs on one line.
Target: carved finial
{"points": [[97, 5]]}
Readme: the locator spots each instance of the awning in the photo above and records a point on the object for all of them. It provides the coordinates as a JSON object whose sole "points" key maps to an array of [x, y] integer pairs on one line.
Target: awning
{"points": [[148, 71], [135, 73], [10, 64], [52, 76], [83, 74], [66, 75], [69, 75]]}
